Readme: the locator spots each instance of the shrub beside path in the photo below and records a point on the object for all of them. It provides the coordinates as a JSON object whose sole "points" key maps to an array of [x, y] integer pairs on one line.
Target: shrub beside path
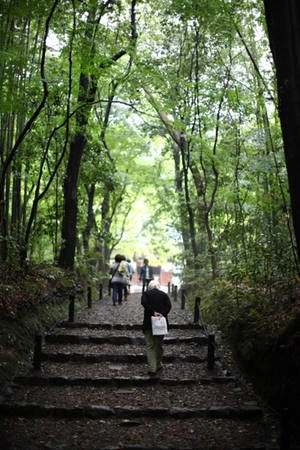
{"points": [[92, 390]]}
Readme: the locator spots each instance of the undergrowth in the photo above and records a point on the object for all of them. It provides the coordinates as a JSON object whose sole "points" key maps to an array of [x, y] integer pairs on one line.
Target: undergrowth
{"points": [[263, 331], [32, 300]]}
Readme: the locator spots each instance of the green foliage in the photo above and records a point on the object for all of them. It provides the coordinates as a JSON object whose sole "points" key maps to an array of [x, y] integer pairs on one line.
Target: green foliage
{"points": [[17, 337], [32, 299], [190, 140], [245, 315]]}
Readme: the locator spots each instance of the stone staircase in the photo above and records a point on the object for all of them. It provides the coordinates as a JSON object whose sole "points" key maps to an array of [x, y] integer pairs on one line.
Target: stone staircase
{"points": [[91, 390]]}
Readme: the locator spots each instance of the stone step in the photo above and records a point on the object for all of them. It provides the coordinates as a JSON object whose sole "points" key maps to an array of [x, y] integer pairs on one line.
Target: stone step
{"points": [[114, 433], [133, 381], [134, 393], [199, 351], [63, 338], [102, 411], [125, 326], [94, 368], [117, 358], [91, 393]]}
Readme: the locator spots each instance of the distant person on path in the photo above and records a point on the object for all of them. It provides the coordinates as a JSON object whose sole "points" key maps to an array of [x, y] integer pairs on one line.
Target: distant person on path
{"points": [[128, 277], [118, 278], [129, 273], [146, 275], [155, 303]]}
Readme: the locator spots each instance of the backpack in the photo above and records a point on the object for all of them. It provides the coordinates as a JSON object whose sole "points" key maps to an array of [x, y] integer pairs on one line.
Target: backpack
{"points": [[122, 269]]}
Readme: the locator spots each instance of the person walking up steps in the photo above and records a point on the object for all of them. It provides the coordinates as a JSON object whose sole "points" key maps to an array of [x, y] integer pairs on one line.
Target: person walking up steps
{"points": [[118, 279], [155, 303], [129, 272]]}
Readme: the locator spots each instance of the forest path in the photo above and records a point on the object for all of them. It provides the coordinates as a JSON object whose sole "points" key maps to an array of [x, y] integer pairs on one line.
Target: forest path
{"points": [[93, 391]]}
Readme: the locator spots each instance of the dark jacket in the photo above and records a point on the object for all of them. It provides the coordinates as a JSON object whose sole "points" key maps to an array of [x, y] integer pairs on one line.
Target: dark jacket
{"points": [[143, 273], [153, 301]]}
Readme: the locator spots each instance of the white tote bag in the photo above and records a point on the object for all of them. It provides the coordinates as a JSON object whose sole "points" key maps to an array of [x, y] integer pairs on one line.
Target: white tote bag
{"points": [[159, 325]]}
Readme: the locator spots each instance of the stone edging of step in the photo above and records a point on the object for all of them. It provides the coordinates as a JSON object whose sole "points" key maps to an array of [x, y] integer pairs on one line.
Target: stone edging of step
{"points": [[128, 358], [123, 326], [117, 340], [101, 411], [103, 381]]}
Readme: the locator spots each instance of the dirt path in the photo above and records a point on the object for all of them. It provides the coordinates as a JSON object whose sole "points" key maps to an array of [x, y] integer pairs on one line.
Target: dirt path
{"points": [[93, 392]]}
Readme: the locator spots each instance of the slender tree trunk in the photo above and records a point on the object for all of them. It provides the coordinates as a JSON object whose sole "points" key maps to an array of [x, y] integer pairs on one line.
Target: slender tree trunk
{"points": [[90, 217], [182, 207], [190, 211], [103, 263], [204, 212], [87, 91], [10, 156], [69, 224]]}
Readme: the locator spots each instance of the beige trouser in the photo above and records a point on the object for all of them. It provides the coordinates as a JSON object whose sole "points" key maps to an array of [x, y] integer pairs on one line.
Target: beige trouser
{"points": [[154, 350]]}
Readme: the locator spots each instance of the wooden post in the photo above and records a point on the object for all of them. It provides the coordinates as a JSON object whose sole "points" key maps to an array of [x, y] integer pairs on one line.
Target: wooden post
{"points": [[89, 297], [100, 291], [197, 310], [169, 287], [211, 351], [109, 288], [182, 299], [175, 293], [37, 351], [71, 308], [172, 291]]}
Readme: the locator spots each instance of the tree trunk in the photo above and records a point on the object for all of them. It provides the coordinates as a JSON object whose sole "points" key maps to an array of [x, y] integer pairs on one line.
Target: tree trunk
{"points": [[204, 212], [90, 217], [283, 21], [67, 254], [87, 93], [189, 258]]}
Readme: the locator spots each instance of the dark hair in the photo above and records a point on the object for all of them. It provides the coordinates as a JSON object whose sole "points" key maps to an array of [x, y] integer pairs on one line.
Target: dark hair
{"points": [[146, 261]]}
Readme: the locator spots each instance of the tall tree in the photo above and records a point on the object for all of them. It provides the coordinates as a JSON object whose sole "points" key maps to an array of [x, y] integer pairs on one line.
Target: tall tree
{"points": [[88, 79], [283, 21]]}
